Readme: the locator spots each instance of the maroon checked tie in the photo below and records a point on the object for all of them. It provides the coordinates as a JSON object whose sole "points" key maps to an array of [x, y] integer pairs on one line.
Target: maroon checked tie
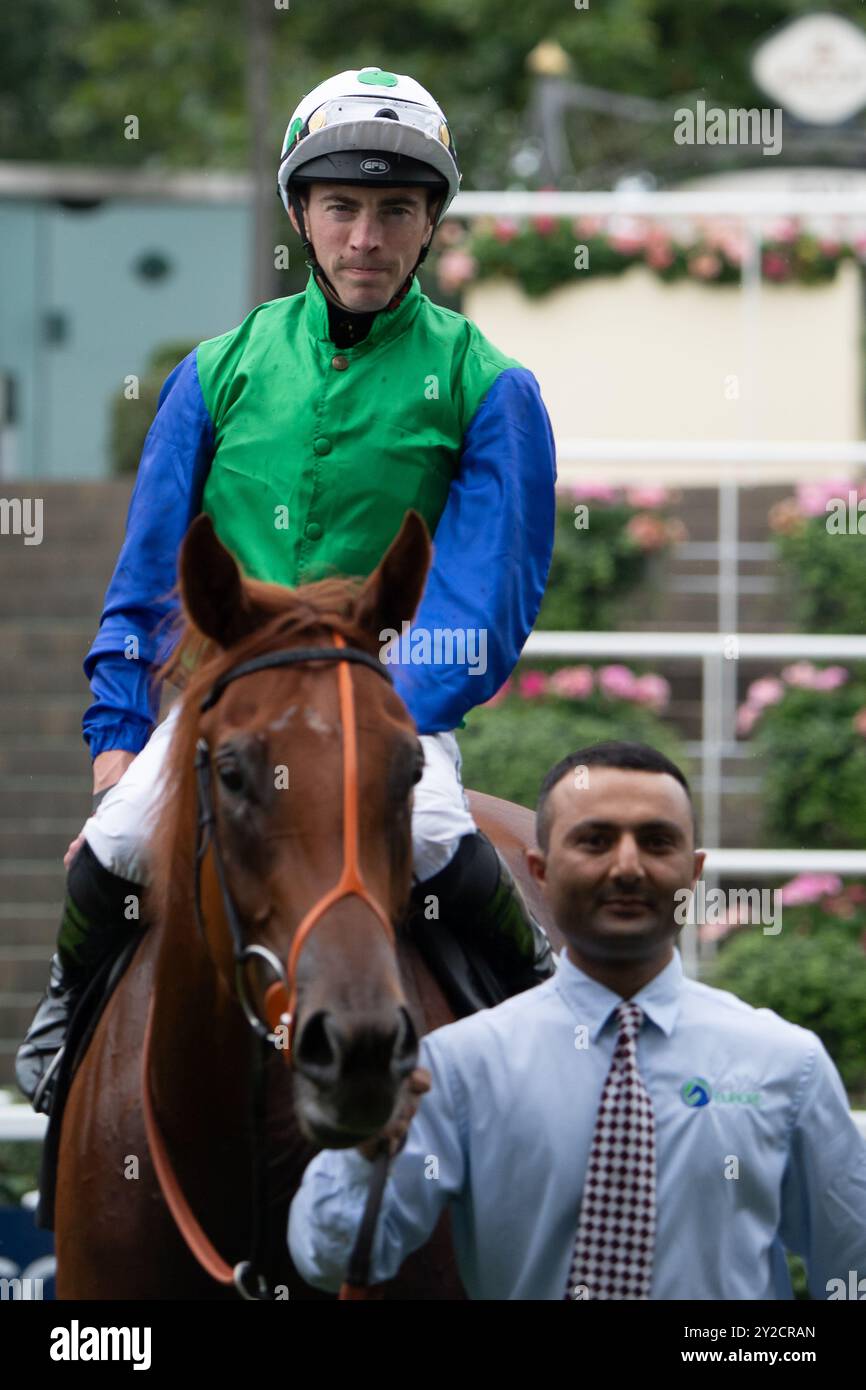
{"points": [[613, 1252]]}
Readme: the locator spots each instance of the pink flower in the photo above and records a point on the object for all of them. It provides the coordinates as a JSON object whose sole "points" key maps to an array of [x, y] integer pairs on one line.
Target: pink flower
{"points": [[544, 224], [829, 246], [574, 682], [456, 268], [659, 255], [532, 684], [733, 245], [812, 498], [831, 678], [860, 721], [769, 690], [648, 532], [705, 265], [860, 247], [506, 229], [627, 235], [501, 694], [588, 226], [593, 492], [646, 496], [747, 718], [617, 682], [776, 266], [802, 675], [653, 691], [785, 229], [809, 888]]}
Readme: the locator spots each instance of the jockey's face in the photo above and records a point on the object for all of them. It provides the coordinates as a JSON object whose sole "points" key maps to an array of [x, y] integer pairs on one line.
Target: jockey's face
{"points": [[366, 239]]}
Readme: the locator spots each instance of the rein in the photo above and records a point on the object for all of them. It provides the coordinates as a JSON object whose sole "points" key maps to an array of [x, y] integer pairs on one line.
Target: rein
{"points": [[281, 997]]}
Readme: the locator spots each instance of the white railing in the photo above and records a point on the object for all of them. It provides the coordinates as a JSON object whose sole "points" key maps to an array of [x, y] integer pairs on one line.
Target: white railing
{"points": [[712, 650]]}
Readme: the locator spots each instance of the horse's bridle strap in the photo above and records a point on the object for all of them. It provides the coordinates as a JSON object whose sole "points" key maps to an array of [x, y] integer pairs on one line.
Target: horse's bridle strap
{"points": [[291, 656]]}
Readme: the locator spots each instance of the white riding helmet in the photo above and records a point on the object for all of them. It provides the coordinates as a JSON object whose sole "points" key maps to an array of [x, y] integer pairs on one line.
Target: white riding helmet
{"points": [[369, 127]]}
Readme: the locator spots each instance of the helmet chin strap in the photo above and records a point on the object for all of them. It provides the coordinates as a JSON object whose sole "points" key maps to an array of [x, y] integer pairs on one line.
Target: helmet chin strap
{"points": [[325, 285]]}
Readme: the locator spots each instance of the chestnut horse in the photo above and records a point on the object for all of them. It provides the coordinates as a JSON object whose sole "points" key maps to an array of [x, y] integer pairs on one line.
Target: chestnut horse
{"points": [[295, 753]]}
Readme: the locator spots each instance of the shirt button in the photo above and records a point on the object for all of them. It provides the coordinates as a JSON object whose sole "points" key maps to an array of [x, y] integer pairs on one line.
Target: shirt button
{"points": [[322, 446], [313, 531], [339, 363]]}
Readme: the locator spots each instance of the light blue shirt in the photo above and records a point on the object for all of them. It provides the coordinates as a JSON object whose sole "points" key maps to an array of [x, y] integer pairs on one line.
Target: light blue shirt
{"points": [[756, 1150]]}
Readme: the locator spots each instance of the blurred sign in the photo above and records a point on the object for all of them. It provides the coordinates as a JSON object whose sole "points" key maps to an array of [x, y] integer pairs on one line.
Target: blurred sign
{"points": [[815, 67], [27, 1264]]}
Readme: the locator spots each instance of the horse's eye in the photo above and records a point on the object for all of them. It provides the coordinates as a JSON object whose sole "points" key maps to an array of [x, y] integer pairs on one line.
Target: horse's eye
{"points": [[231, 776]]}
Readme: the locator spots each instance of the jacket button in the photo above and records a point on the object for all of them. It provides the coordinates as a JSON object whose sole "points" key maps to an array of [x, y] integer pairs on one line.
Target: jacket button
{"points": [[313, 531], [322, 446], [339, 363]]}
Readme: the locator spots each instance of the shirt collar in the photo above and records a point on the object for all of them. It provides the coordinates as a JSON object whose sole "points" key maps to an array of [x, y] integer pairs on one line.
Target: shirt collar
{"points": [[387, 324], [660, 999]]}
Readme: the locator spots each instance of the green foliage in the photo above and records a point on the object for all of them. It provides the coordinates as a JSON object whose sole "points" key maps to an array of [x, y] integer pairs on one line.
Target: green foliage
{"points": [[591, 569], [131, 419], [815, 783], [507, 748], [824, 572], [817, 979], [70, 70], [19, 1171]]}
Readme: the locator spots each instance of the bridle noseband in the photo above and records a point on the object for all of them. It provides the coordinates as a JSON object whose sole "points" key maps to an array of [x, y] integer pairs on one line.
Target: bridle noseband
{"points": [[280, 997]]}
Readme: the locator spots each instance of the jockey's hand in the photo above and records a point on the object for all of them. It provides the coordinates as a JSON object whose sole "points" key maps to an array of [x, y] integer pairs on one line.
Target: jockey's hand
{"points": [[396, 1130]]}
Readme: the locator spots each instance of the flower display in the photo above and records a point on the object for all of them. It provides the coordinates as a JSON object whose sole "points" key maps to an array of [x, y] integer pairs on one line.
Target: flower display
{"points": [[770, 690], [539, 251]]}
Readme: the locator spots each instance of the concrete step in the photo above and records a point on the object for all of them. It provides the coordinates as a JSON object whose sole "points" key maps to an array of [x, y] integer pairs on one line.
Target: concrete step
{"points": [[60, 756], [34, 677], [29, 926], [31, 881], [55, 715], [38, 837], [46, 795], [41, 639]]}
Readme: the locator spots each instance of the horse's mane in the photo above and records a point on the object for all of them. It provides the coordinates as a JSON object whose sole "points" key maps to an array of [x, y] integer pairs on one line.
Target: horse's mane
{"points": [[194, 664]]}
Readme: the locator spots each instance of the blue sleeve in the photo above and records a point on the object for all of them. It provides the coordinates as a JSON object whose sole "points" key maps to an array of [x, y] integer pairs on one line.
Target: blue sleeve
{"points": [[824, 1188], [428, 1171], [492, 552], [138, 604]]}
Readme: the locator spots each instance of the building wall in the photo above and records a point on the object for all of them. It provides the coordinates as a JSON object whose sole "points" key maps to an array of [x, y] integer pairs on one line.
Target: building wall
{"points": [[630, 357], [77, 316]]}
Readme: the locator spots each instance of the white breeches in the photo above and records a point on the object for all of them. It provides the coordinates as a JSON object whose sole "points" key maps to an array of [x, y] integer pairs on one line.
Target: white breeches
{"points": [[117, 832]]}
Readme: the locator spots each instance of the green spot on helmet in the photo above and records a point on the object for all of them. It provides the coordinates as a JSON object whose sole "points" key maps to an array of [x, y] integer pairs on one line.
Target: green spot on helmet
{"points": [[377, 78]]}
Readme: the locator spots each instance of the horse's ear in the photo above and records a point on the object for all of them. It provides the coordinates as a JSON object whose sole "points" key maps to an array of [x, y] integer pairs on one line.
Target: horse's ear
{"points": [[393, 591], [212, 587]]}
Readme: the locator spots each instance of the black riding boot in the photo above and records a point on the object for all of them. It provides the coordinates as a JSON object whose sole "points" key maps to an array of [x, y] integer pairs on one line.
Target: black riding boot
{"points": [[477, 896], [95, 924]]}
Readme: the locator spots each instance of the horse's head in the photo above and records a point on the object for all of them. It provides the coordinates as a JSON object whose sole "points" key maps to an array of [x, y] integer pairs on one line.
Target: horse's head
{"points": [[276, 747]]}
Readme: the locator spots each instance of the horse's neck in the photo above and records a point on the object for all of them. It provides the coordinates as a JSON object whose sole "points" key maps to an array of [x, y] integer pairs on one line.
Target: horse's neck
{"points": [[200, 1052]]}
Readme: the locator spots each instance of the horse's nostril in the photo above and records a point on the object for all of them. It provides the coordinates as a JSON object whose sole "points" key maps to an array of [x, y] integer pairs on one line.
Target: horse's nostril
{"points": [[405, 1053], [314, 1049]]}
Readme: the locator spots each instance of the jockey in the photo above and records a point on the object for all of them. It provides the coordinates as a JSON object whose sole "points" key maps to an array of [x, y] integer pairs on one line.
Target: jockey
{"points": [[341, 407]]}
